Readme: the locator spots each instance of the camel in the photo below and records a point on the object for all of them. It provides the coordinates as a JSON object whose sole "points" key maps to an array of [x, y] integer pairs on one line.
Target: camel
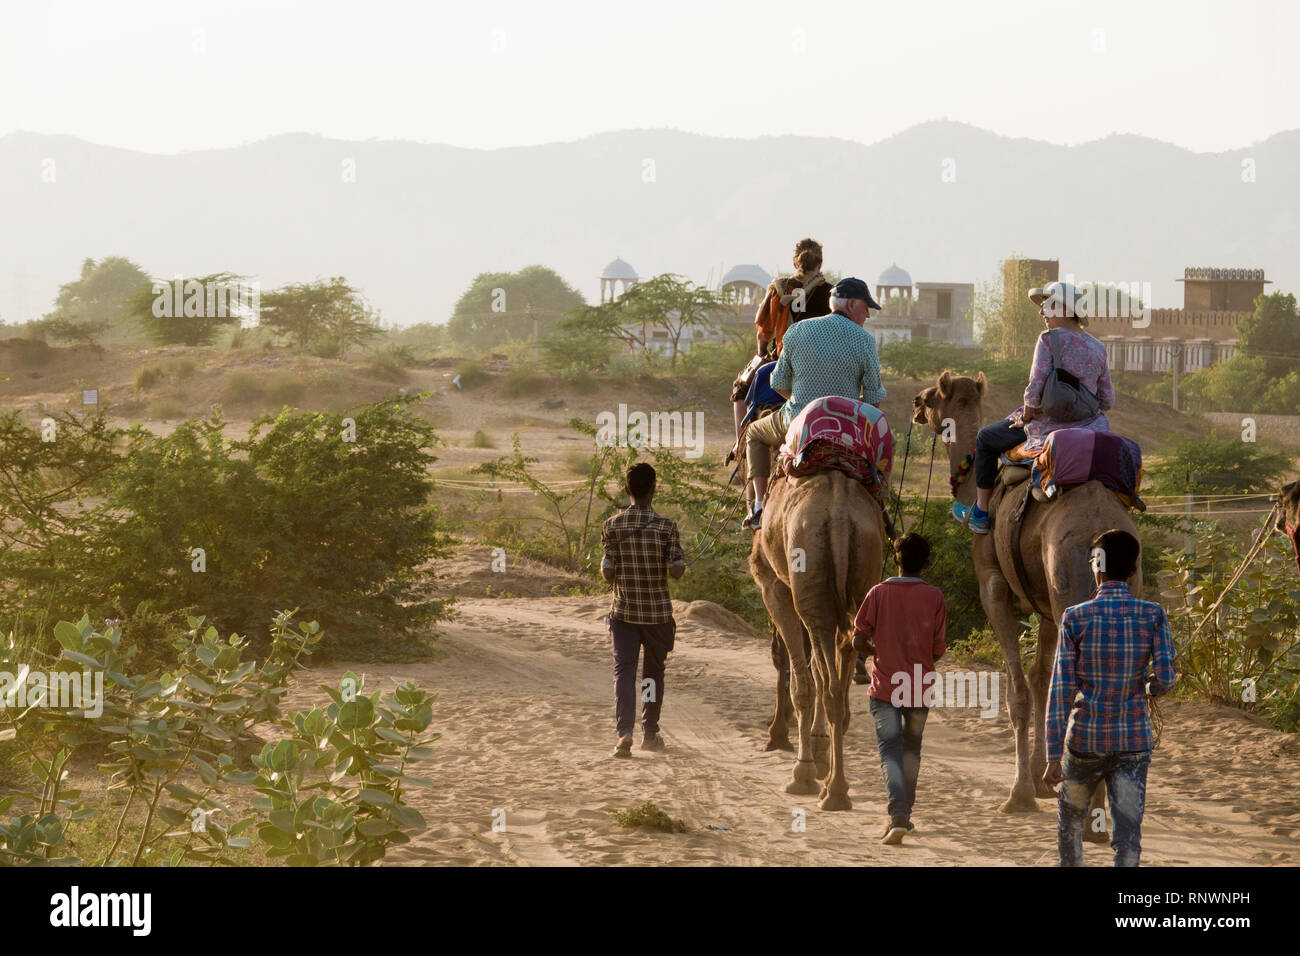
{"points": [[1056, 547], [811, 595], [1288, 519]]}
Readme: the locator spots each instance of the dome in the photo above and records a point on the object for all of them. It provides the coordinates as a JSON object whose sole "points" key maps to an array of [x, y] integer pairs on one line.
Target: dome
{"points": [[747, 273], [894, 276], [618, 269]]}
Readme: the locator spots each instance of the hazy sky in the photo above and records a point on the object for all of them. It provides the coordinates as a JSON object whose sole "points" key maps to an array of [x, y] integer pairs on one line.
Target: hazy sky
{"points": [[177, 75]]}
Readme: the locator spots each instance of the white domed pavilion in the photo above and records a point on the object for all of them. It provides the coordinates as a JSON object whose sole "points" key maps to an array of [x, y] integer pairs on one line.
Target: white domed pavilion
{"points": [[745, 284], [615, 279]]}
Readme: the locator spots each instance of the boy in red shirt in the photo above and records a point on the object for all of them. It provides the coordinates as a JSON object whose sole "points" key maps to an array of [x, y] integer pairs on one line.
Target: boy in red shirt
{"points": [[901, 625]]}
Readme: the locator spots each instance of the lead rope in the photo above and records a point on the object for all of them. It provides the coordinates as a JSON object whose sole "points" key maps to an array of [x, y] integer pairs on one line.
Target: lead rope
{"points": [[929, 475], [898, 500]]}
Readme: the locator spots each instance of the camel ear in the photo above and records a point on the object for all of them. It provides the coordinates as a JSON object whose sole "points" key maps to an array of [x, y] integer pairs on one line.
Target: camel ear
{"points": [[981, 384], [945, 383]]}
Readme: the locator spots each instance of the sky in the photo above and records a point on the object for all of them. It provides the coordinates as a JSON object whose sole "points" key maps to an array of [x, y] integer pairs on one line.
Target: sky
{"points": [[167, 76]]}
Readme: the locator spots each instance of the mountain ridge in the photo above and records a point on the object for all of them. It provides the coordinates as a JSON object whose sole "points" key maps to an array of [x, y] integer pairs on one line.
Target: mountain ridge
{"points": [[945, 200]]}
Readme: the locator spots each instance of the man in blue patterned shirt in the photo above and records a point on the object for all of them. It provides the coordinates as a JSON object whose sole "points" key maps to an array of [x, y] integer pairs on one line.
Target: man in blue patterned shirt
{"points": [[1115, 651], [830, 355]]}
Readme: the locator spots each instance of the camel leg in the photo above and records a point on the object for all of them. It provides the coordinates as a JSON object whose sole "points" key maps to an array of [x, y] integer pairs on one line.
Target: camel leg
{"points": [[778, 731], [821, 736], [780, 606], [836, 792], [999, 605], [1040, 676]]}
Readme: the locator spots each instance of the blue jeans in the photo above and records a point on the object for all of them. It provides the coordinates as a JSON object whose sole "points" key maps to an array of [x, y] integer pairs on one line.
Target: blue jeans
{"points": [[1125, 774], [898, 737]]}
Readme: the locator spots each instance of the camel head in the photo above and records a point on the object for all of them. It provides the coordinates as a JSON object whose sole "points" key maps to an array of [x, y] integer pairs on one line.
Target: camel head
{"points": [[952, 408], [955, 397], [1288, 519]]}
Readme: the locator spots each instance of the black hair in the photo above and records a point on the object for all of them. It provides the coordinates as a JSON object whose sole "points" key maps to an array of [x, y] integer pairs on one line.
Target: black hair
{"points": [[911, 553], [1119, 556], [640, 480]]}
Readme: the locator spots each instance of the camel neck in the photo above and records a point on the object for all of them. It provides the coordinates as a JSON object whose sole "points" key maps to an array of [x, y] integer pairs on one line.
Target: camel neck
{"points": [[963, 445]]}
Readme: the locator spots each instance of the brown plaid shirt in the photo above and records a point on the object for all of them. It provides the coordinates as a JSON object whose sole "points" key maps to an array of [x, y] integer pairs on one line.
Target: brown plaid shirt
{"points": [[641, 544]]}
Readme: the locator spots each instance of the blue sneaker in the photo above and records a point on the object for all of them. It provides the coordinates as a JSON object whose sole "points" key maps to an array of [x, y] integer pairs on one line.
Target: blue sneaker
{"points": [[977, 520]]}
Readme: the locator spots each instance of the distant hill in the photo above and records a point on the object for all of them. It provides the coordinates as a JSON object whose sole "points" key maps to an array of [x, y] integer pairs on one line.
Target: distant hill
{"points": [[421, 220]]}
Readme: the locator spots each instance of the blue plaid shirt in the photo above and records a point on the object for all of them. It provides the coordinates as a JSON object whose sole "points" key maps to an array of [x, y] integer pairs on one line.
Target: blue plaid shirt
{"points": [[829, 355], [1108, 650]]}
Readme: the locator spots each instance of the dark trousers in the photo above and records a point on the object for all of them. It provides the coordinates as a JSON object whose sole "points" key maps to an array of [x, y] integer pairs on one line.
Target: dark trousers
{"points": [[1125, 773], [628, 640], [990, 443], [898, 738]]}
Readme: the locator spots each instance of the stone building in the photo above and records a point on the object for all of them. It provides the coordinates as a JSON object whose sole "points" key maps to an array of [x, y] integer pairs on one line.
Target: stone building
{"points": [[1200, 334], [921, 311]]}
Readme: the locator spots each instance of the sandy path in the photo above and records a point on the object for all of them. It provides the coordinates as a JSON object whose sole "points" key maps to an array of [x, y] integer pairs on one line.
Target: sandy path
{"points": [[525, 708]]}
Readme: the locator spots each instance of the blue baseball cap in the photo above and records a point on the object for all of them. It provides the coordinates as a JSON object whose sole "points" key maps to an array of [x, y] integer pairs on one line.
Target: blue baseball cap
{"points": [[851, 288]]}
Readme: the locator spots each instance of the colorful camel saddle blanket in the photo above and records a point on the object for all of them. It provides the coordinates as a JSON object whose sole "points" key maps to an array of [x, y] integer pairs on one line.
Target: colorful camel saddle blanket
{"points": [[839, 433], [1073, 456]]}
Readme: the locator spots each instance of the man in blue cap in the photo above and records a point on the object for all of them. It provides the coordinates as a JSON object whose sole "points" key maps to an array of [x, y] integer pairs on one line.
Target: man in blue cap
{"points": [[830, 355]]}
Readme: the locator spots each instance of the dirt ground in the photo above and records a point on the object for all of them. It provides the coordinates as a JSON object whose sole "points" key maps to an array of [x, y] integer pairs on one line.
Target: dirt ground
{"points": [[525, 707]]}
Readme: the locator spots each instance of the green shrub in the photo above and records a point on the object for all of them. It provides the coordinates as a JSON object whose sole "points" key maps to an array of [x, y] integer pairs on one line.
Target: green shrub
{"points": [[1247, 654], [924, 360], [1212, 465], [581, 380], [330, 791], [166, 407], [391, 362], [298, 514], [522, 380], [147, 376], [242, 386], [650, 816], [715, 362], [482, 439], [29, 352], [472, 374], [285, 387]]}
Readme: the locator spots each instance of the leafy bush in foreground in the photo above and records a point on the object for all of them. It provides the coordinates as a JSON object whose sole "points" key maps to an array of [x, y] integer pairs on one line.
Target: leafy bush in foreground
{"points": [[173, 738]]}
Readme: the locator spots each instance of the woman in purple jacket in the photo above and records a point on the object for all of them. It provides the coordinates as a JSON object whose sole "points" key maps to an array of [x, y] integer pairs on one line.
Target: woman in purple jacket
{"points": [[1082, 356]]}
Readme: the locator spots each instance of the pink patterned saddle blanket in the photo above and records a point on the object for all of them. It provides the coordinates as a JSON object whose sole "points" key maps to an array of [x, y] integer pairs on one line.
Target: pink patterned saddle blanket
{"points": [[841, 433]]}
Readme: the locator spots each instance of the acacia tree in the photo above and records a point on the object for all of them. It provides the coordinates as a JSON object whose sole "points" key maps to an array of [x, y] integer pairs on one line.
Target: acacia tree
{"points": [[327, 316], [667, 303], [186, 312]]}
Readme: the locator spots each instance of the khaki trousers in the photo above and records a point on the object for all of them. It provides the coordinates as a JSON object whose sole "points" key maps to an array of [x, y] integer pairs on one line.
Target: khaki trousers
{"points": [[760, 436]]}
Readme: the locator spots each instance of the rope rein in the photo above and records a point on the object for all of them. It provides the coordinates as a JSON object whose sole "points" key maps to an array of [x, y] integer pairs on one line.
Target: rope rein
{"points": [[929, 475]]}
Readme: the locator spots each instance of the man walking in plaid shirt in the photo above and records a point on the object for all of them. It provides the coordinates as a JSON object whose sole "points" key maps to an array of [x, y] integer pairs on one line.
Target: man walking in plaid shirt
{"points": [[1115, 651], [641, 549]]}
